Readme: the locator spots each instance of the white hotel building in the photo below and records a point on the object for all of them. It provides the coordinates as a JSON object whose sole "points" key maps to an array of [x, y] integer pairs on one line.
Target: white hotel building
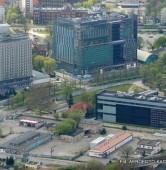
{"points": [[15, 61]]}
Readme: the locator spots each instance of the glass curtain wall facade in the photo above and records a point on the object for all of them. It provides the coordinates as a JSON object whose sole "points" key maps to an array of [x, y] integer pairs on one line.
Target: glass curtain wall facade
{"points": [[82, 44], [150, 111]]}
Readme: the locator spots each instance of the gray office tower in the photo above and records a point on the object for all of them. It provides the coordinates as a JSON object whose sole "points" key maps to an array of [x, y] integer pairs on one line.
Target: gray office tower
{"points": [[95, 41], [15, 62]]}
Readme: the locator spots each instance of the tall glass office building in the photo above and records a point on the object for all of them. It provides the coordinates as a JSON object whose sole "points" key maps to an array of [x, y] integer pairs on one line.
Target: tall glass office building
{"points": [[95, 41]]}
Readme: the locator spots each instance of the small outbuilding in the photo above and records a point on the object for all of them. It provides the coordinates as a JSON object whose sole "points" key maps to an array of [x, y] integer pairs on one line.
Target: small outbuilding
{"points": [[146, 57], [94, 126], [73, 137]]}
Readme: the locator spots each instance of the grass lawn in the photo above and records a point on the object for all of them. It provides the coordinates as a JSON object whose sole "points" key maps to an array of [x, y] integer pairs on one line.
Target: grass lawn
{"points": [[126, 88], [44, 32]]}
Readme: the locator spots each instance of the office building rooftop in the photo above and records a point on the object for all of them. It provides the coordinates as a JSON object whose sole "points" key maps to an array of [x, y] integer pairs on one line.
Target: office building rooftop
{"points": [[150, 96], [107, 16], [5, 38]]}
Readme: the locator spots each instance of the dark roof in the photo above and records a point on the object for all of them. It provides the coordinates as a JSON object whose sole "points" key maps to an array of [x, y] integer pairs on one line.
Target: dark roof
{"points": [[74, 132], [90, 121], [141, 150], [23, 141], [147, 142]]}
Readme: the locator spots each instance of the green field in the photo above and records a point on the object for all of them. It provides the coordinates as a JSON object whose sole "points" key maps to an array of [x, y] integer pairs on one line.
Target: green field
{"points": [[44, 32]]}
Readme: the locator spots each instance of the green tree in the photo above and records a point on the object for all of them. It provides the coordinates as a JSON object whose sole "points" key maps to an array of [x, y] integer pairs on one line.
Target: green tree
{"points": [[71, 122], [77, 5], [76, 115], [10, 161], [140, 43], [66, 91], [109, 6], [160, 42], [38, 98], [49, 65], [39, 63], [70, 100], [63, 128], [117, 166], [124, 127], [0, 132]]}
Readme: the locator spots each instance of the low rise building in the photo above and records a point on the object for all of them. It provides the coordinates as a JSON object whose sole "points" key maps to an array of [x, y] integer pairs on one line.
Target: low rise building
{"points": [[96, 142], [100, 140], [32, 165], [25, 142], [146, 57], [94, 126], [43, 15], [73, 137], [148, 147], [110, 145]]}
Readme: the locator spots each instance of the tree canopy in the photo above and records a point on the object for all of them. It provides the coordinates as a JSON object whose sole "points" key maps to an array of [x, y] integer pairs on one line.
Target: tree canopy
{"points": [[46, 64]]}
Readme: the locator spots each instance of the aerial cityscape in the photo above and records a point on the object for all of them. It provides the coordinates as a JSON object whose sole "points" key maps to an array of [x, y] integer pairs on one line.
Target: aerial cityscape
{"points": [[83, 84]]}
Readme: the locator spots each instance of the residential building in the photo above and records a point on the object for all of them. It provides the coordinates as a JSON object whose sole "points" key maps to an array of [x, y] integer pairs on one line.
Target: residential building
{"points": [[27, 6], [43, 15], [2, 3], [148, 147], [2, 14], [111, 144], [96, 41], [55, 3], [146, 108], [130, 4], [15, 61], [25, 142], [163, 17], [73, 137], [94, 126]]}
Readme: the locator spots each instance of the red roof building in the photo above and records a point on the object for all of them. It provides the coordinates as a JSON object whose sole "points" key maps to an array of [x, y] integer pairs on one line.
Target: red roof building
{"points": [[79, 106], [2, 3]]}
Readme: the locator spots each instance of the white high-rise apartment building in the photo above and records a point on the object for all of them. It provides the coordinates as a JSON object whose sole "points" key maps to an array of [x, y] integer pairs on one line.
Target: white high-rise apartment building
{"points": [[15, 61]]}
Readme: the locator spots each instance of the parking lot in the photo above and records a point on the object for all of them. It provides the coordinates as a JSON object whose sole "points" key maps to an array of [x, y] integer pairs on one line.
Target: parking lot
{"points": [[149, 37]]}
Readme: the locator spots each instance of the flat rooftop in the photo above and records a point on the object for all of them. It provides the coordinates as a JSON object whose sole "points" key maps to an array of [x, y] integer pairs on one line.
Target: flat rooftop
{"points": [[148, 142], [150, 96], [90, 121], [105, 17], [111, 142], [5, 38], [24, 140]]}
